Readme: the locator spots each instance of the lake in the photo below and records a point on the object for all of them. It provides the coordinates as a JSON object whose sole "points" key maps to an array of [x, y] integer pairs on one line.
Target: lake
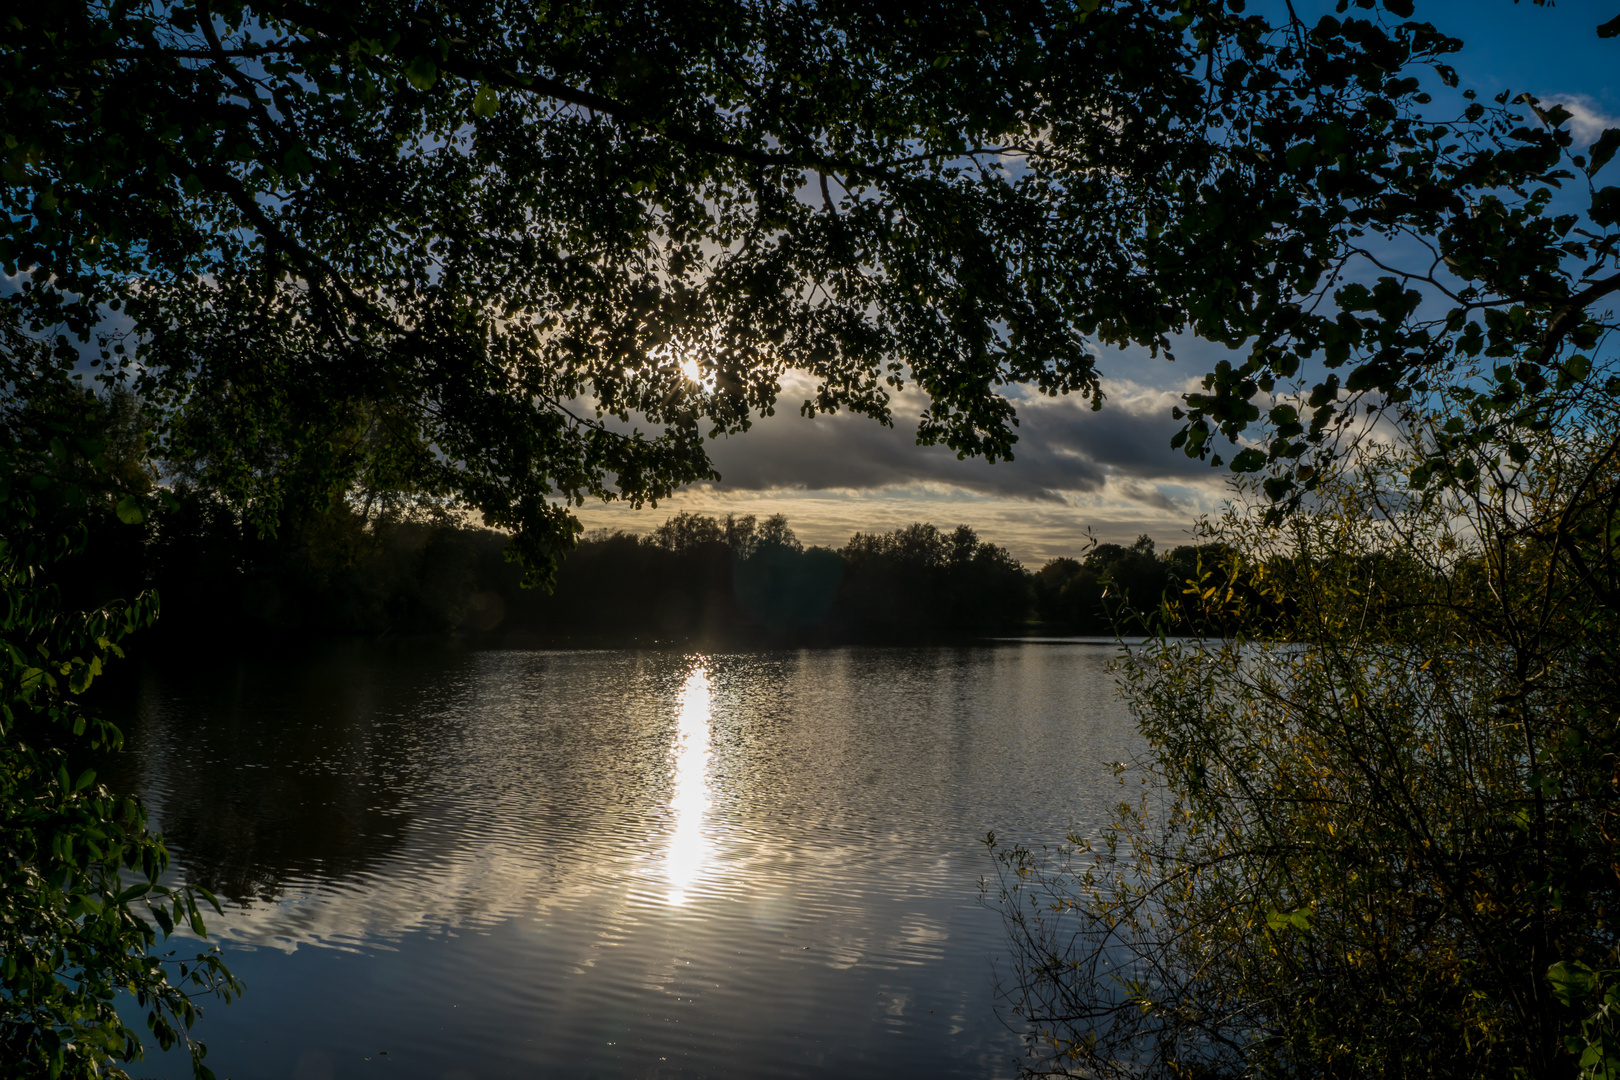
{"points": [[456, 863]]}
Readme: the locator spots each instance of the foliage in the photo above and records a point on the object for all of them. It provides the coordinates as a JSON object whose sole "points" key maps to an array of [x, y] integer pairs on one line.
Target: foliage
{"points": [[1593, 992], [522, 256], [1383, 844], [1386, 816], [82, 903], [1392, 247], [513, 256], [735, 580], [920, 580], [1118, 589]]}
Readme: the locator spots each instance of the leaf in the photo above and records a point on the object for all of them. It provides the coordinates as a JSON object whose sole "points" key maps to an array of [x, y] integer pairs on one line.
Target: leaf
{"points": [[422, 73], [1250, 460], [130, 511], [1609, 29], [135, 891], [1572, 982], [485, 102], [296, 163], [1298, 919], [1606, 205], [1603, 150]]}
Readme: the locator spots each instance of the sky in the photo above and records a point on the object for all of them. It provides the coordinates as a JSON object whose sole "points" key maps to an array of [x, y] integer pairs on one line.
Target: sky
{"points": [[1077, 474]]}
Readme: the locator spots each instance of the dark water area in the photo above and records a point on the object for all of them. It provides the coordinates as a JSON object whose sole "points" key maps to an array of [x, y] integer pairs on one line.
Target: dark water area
{"points": [[450, 863]]}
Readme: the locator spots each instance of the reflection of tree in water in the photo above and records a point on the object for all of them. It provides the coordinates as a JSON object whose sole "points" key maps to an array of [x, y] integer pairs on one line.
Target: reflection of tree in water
{"points": [[261, 773]]}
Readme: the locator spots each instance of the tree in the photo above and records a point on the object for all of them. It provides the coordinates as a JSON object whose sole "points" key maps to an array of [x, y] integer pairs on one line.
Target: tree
{"points": [[482, 244], [488, 242], [83, 908], [922, 582], [1384, 843]]}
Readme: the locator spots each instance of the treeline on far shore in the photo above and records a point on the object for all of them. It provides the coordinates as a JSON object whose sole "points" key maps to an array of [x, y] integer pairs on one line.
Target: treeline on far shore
{"points": [[694, 578]]}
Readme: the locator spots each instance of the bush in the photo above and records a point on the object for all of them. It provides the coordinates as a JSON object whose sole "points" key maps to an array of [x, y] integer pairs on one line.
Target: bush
{"points": [[1376, 837]]}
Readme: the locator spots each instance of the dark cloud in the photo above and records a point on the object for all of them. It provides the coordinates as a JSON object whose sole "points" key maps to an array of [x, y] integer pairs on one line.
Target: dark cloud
{"points": [[1063, 449]]}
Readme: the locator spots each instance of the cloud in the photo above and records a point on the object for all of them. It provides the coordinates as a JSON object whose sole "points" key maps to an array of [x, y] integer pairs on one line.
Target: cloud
{"points": [[1077, 475], [1587, 119], [1064, 449]]}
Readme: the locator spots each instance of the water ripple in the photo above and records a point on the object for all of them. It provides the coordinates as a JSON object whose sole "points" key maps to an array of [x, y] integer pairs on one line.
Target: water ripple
{"points": [[617, 863]]}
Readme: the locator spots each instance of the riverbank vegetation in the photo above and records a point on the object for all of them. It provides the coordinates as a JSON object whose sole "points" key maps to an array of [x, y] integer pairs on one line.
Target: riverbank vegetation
{"points": [[695, 579], [1383, 844], [386, 563]]}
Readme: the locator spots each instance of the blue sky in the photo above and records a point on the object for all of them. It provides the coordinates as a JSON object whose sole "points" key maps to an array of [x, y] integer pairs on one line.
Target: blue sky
{"points": [[1551, 52], [1109, 474]]}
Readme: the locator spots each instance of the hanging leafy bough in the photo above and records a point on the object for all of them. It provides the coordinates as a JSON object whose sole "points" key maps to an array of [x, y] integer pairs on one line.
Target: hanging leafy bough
{"points": [[533, 255], [1391, 255], [490, 245], [82, 907]]}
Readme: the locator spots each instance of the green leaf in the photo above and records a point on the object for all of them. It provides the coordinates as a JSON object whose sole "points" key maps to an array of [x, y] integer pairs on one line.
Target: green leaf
{"points": [[422, 73], [1250, 460], [1602, 151], [1298, 919], [485, 102], [1572, 982], [130, 511]]}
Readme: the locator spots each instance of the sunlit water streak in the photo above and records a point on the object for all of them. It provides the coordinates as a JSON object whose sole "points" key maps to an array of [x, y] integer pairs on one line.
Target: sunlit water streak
{"points": [[690, 797], [616, 864]]}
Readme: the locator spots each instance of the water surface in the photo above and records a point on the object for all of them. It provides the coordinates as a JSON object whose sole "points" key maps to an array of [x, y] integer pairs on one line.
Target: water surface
{"points": [[452, 863]]}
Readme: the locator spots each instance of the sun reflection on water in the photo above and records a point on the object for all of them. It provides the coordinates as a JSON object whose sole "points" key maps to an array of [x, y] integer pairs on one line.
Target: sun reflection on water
{"points": [[690, 796]]}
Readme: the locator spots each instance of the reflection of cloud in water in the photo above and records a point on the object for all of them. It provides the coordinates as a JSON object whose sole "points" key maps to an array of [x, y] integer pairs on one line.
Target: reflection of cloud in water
{"points": [[597, 859], [690, 797], [599, 796]]}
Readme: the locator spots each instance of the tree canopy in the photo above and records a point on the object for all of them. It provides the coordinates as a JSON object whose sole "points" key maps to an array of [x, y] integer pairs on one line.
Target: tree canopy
{"points": [[526, 255], [529, 255]]}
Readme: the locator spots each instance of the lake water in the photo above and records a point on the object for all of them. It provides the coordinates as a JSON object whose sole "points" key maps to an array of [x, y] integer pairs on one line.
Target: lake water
{"points": [[457, 864]]}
